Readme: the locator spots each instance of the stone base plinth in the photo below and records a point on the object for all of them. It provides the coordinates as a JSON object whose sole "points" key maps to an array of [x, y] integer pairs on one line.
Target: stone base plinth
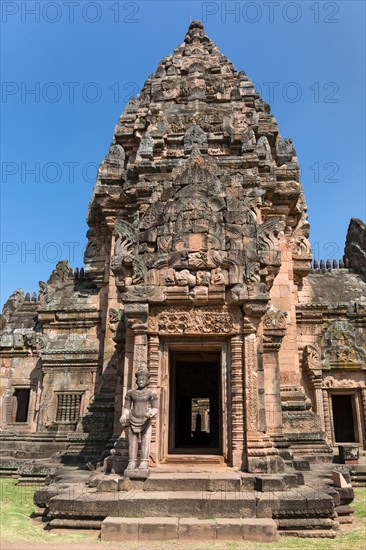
{"points": [[163, 528], [348, 454], [239, 505], [137, 473]]}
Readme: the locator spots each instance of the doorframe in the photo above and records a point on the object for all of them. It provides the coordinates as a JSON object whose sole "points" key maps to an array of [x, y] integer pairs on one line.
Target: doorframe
{"points": [[355, 413], [167, 346], [173, 359]]}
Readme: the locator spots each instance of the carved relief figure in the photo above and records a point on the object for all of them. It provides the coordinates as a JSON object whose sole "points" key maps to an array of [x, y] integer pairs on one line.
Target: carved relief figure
{"points": [[195, 136], [140, 406], [217, 277], [248, 141]]}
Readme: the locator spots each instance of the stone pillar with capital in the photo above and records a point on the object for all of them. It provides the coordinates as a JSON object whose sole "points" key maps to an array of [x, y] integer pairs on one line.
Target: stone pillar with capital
{"points": [[363, 395], [237, 403], [274, 329], [153, 364], [261, 456], [137, 320]]}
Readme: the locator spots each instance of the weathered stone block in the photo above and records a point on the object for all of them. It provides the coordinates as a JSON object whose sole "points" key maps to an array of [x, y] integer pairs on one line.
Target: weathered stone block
{"points": [[293, 502], [233, 505], [43, 495], [120, 529], [229, 529], [301, 464], [109, 484], [349, 454], [176, 482], [197, 529], [300, 478], [261, 530], [247, 482], [291, 480], [344, 510], [320, 504], [269, 482], [218, 482], [95, 478], [346, 494], [138, 473], [158, 528], [267, 505], [335, 496], [126, 484]]}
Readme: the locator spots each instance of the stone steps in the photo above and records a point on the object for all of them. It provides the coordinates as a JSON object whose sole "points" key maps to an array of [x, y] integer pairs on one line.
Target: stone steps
{"points": [[200, 504], [358, 474], [193, 460], [224, 496], [314, 534], [194, 482], [198, 481], [86, 503], [188, 529]]}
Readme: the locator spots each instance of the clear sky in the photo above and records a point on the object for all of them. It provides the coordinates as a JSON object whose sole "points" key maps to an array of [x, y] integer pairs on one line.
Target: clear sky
{"points": [[69, 67]]}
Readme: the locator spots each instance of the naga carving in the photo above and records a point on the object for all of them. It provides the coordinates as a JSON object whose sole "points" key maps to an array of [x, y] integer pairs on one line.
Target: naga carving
{"points": [[268, 241], [312, 364], [275, 319], [125, 263], [300, 246]]}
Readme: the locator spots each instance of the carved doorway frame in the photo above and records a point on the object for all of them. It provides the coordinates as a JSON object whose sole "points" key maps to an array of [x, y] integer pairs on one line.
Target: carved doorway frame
{"points": [[357, 415], [180, 344]]}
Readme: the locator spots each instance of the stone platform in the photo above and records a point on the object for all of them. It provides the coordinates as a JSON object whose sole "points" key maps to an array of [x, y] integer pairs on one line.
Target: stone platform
{"points": [[122, 529], [304, 504]]}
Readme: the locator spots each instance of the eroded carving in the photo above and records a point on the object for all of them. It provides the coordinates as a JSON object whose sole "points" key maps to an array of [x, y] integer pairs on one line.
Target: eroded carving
{"points": [[341, 345], [205, 320], [195, 137]]}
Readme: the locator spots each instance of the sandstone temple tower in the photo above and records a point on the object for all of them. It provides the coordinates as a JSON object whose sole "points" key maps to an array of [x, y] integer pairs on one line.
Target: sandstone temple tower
{"points": [[198, 267]]}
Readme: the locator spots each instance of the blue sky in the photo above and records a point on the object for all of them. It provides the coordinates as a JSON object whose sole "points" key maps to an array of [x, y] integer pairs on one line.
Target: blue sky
{"points": [[84, 60]]}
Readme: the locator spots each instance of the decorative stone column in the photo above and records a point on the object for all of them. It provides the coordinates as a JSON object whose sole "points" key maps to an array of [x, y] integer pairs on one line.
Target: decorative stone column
{"points": [[237, 397], [327, 421], [261, 455], [363, 394], [153, 363], [274, 329], [137, 315]]}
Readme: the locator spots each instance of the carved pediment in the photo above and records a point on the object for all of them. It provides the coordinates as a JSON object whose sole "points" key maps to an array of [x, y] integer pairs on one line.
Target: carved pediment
{"points": [[342, 346], [344, 383]]}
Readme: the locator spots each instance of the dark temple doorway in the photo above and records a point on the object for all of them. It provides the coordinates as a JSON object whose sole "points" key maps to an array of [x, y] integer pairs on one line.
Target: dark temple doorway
{"points": [[195, 404], [22, 404], [343, 418]]}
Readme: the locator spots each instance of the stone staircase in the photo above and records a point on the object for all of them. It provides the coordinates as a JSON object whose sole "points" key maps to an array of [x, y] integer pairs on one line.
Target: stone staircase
{"points": [[194, 503], [358, 475]]}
